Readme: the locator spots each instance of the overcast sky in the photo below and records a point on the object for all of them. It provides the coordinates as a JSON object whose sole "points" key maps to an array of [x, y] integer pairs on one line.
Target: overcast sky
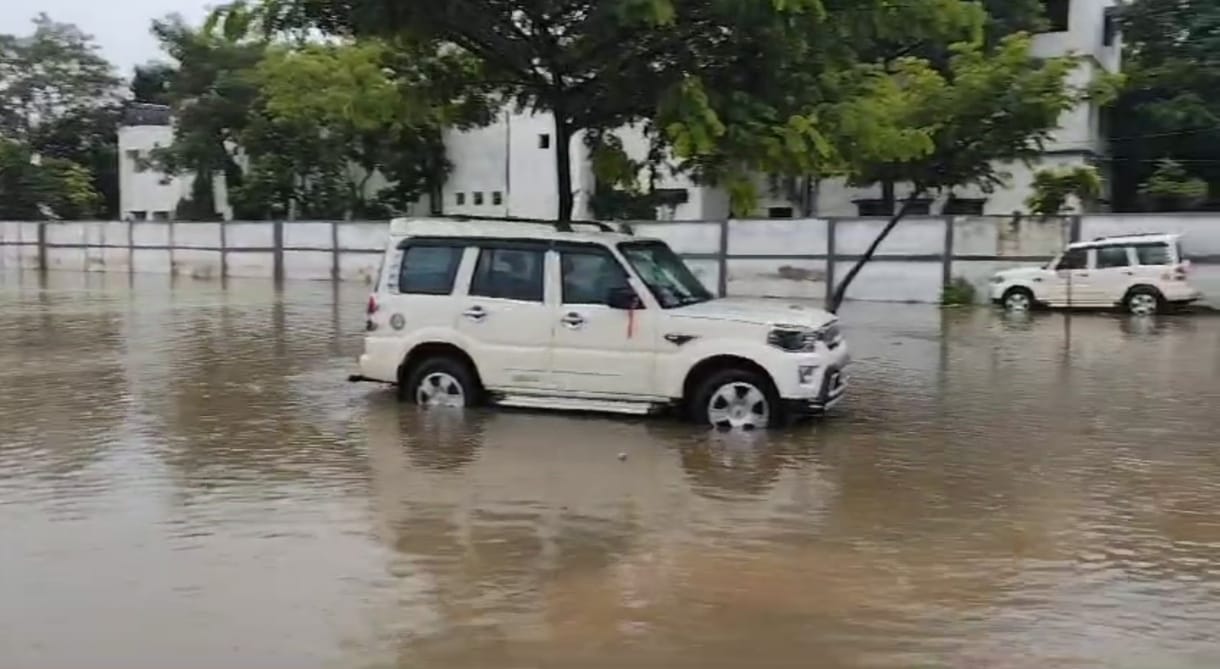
{"points": [[120, 27]]}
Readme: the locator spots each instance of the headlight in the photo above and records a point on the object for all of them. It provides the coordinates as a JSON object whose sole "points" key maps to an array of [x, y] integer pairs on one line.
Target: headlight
{"points": [[794, 339], [997, 279]]}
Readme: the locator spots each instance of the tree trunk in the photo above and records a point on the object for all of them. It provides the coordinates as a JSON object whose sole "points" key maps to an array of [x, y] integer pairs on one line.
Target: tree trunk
{"points": [[887, 196], [563, 165], [841, 291]]}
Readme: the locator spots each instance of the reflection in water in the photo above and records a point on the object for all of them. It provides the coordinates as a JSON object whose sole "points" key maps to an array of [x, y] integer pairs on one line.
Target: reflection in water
{"points": [[185, 480]]}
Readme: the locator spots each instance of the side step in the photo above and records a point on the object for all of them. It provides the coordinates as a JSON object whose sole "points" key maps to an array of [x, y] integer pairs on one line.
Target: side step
{"points": [[576, 404]]}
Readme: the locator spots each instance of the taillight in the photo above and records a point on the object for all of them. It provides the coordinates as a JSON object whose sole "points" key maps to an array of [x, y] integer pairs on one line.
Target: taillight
{"points": [[373, 306]]}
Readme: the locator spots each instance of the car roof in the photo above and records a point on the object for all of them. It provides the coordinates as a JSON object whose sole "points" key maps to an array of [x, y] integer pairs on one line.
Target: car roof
{"points": [[576, 231], [1141, 238]]}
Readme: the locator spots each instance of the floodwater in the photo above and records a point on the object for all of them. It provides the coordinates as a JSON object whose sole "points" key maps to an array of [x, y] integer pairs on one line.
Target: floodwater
{"points": [[187, 481]]}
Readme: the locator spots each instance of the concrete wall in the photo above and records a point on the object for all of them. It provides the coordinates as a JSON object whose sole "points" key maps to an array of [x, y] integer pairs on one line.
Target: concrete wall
{"points": [[770, 258]]}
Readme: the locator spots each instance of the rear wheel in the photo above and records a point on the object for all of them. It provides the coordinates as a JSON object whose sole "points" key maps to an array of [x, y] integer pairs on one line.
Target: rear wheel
{"points": [[1144, 301], [440, 382], [736, 399], [1018, 299]]}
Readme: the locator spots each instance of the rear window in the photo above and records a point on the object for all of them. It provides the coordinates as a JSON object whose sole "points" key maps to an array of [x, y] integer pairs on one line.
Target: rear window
{"points": [[1154, 254], [429, 270]]}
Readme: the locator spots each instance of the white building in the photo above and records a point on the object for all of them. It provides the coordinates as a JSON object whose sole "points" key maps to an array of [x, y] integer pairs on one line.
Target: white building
{"points": [[145, 193], [507, 169]]}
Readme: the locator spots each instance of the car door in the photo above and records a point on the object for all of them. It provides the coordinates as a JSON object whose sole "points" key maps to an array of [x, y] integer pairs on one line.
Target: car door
{"points": [[1070, 286], [600, 351], [506, 318], [1114, 274]]}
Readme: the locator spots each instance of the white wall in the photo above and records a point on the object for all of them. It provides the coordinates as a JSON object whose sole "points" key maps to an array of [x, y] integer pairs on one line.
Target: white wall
{"points": [[767, 258]]}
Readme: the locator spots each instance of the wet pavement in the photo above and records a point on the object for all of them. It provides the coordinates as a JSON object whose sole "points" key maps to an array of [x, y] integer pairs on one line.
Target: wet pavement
{"points": [[186, 481]]}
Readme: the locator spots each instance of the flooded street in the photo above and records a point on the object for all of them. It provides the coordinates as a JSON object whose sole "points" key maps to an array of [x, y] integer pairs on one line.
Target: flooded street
{"points": [[187, 481]]}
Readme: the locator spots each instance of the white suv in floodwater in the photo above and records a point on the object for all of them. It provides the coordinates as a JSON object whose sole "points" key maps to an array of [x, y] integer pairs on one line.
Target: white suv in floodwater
{"points": [[581, 317], [1143, 274]]}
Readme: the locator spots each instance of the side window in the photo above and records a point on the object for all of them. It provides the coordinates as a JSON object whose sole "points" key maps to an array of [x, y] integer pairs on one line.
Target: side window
{"points": [[1153, 254], [1074, 259], [429, 270], [511, 274], [1112, 256], [588, 276]]}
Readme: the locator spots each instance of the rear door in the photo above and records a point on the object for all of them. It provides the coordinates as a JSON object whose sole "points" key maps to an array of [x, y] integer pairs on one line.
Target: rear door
{"points": [[1114, 274], [1153, 262], [600, 351], [507, 316]]}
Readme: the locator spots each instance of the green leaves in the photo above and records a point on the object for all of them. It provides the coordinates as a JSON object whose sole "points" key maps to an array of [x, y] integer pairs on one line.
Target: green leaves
{"points": [[1052, 189]]}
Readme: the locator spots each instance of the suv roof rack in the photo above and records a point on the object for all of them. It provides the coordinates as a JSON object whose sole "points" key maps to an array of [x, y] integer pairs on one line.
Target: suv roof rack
{"points": [[1134, 234], [561, 226]]}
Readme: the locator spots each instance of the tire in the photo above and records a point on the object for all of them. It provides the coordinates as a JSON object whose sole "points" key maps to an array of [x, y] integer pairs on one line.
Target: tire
{"points": [[1144, 301], [1018, 299], [753, 391], [450, 383]]}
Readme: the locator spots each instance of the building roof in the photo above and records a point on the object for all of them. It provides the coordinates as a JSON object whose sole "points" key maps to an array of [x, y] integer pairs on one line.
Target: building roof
{"points": [[580, 231], [139, 113]]}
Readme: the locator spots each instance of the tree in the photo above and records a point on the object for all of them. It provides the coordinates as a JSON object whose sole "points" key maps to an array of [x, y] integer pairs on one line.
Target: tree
{"points": [[379, 110], [88, 137], [1171, 188], [1053, 188], [1170, 107], [55, 71], [152, 82], [592, 65], [212, 93], [33, 188], [903, 121]]}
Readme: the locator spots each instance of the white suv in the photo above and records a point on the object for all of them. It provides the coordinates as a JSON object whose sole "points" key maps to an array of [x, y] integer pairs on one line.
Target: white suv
{"points": [[546, 315], [1143, 274]]}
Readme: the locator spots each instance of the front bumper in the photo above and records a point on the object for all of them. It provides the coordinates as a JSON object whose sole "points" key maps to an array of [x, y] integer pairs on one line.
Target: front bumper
{"points": [[832, 391]]}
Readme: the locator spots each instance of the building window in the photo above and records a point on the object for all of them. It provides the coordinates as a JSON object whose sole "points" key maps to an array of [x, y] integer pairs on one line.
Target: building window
{"points": [[139, 215], [962, 206], [1057, 12], [544, 141], [160, 216], [874, 208], [779, 212], [478, 198], [134, 156], [1110, 27], [461, 199], [497, 198]]}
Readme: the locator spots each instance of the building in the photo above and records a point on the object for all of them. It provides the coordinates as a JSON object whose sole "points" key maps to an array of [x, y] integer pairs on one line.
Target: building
{"points": [[146, 193], [508, 167]]}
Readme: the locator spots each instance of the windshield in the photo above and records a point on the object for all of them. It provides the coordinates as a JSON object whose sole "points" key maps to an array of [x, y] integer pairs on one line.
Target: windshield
{"points": [[669, 279]]}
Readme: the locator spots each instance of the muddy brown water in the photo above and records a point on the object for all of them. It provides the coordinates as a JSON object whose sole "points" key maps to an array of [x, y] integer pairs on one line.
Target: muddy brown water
{"points": [[187, 481]]}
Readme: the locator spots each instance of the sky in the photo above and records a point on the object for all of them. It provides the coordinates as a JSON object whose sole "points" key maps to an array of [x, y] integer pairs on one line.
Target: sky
{"points": [[120, 27]]}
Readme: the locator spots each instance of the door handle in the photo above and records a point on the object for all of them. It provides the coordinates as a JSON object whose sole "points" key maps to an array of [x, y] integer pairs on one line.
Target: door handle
{"points": [[475, 313], [573, 321]]}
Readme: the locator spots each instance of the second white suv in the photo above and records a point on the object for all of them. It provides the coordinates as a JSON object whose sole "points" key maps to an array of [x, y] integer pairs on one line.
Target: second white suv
{"points": [[582, 317], [1143, 274]]}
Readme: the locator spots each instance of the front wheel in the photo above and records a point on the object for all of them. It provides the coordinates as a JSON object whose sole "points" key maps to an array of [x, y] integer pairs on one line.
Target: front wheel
{"points": [[1018, 299], [736, 399], [441, 382]]}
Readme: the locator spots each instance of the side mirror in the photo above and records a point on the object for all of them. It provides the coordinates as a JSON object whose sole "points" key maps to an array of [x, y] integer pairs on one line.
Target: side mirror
{"points": [[624, 298]]}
